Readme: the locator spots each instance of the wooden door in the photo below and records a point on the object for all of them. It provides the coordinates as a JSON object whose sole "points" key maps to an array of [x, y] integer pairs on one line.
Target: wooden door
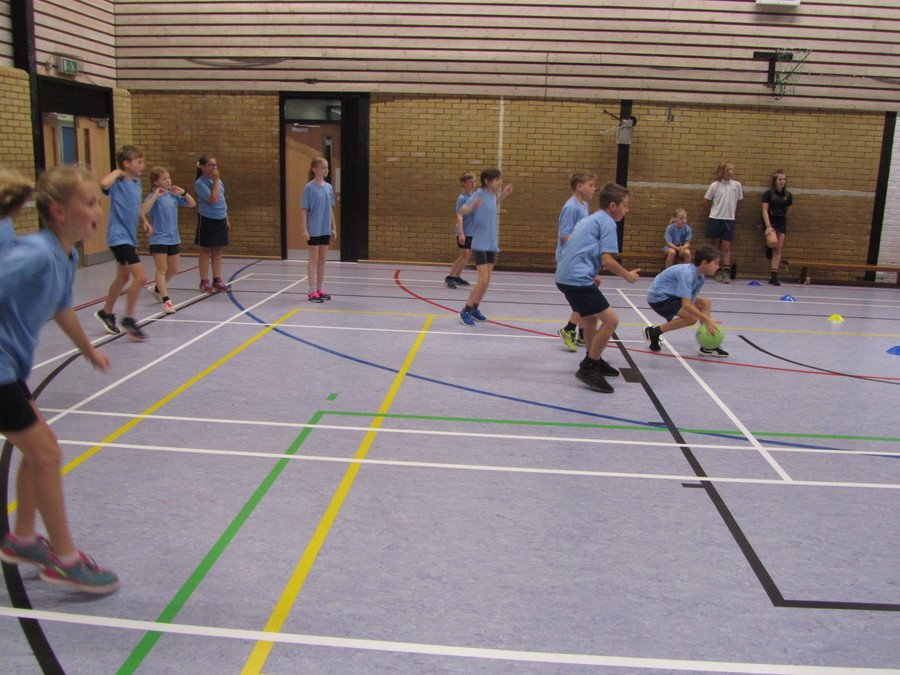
{"points": [[93, 152]]}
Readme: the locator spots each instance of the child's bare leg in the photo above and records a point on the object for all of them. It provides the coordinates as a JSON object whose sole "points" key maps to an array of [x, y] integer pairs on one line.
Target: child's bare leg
{"points": [[776, 252], [683, 320], [138, 279], [320, 271], [115, 288], [608, 321], [312, 267], [172, 264], [203, 263], [216, 255], [161, 275], [460, 263], [670, 257], [481, 286]]}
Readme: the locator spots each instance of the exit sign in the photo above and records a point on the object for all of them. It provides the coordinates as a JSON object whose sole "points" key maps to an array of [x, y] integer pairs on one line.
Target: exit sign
{"points": [[67, 66]]}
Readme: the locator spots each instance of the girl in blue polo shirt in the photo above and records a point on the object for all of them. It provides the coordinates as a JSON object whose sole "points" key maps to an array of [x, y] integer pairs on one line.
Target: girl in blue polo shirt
{"points": [[212, 223], [35, 284], [317, 226], [161, 206], [15, 190]]}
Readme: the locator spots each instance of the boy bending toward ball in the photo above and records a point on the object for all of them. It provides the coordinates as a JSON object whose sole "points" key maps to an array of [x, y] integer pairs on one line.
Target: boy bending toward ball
{"points": [[674, 296]]}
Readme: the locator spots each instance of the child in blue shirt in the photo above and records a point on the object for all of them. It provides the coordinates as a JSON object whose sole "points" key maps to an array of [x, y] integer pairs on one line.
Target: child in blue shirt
{"points": [[593, 243], [36, 277], [212, 223], [674, 295], [463, 231], [161, 206], [317, 226], [583, 185], [123, 185], [15, 190], [485, 238], [678, 239]]}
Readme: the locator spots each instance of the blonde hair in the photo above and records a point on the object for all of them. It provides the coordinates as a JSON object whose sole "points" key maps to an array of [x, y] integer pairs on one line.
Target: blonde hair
{"points": [[467, 176], [720, 171], [57, 186], [675, 215], [15, 190], [312, 165], [156, 172]]}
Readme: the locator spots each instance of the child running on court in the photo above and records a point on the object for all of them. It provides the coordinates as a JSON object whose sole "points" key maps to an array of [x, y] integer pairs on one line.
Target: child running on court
{"points": [[161, 206], [317, 226], [583, 185], [36, 283], [463, 232], [592, 245], [485, 238], [123, 185], [212, 223], [678, 239], [15, 190], [674, 295]]}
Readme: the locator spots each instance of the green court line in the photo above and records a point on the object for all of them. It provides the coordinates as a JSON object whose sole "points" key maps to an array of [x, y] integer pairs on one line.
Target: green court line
{"points": [[625, 427], [332, 396], [149, 640]]}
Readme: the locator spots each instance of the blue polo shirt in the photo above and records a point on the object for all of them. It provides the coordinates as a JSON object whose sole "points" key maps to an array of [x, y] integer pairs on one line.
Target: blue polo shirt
{"points": [[36, 279], [124, 212], [677, 281], [463, 199], [164, 218], [677, 235], [592, 237], [485, 235], [203, 189], [7, 233], [572, 212], [318, 200]]}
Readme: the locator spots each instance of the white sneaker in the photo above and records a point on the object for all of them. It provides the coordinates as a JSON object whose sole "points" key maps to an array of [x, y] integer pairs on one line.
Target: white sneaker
{"points": [[168, 307]]}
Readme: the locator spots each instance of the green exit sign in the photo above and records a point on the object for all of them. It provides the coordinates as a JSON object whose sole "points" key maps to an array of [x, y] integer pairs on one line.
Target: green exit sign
{"points": [[67, 66]]}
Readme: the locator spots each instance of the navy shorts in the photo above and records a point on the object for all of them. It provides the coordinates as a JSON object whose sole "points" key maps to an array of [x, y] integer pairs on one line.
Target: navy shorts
{"points": [[484, 257], [16, 412], [468, 243], [211, 232], [585, 300], [719, 228], [668, 308], [168, 249], [319, 240], [125, 254]]}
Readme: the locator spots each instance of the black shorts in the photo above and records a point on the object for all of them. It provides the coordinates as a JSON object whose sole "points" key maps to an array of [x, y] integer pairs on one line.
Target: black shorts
{"points": [[720, 228], [125, 254], [668, 308], [211, 232], [781, 228], [319, 240], [584, 300], [16, 412], [484, 257], [468, 243], [168, 249]]}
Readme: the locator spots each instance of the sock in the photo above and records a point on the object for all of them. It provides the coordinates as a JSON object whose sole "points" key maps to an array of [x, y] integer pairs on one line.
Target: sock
{"points": [[569, 327], [219, 279], [773, 273], [24, 541], [581, 333], [165, 298], [587, 363], [475, 306], [69, 560], [467, 308]]}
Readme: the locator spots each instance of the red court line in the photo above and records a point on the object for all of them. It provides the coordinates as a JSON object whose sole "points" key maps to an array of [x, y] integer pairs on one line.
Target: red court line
{"points": [[124, 291], [643, 351]]}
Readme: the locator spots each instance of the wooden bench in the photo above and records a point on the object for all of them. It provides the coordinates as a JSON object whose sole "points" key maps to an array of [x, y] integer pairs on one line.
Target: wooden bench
{"points": [[807, 265]]}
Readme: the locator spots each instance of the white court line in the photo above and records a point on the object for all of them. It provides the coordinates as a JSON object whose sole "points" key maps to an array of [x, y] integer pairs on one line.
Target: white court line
{"points": [[491, 468], [165, 356], [424, 648], [734, 418]]}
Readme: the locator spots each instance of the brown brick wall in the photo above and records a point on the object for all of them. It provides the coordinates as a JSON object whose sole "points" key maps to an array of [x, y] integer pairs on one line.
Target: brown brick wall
{"points": [[16, 144]]}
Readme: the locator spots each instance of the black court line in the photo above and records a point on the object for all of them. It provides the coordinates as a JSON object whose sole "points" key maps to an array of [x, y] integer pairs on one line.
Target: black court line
{"points": [[821, 370], [756, 564]]}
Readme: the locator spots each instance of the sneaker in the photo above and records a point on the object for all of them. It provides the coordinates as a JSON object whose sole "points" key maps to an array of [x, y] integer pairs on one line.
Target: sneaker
{"points": [[460, 281], [595, 380], [84, 575], [651, 335], [718, 351], [450, 282], [108, 321], [169, 307], [219, 285], [726, 279], [14, 552], [323, 294], [155, 291], [569, 339], [466, 318], [580, 340], [477, 315], [206, 287], [720, 276], [133, 330], [732, 271], [313, 296], [605, 368]]}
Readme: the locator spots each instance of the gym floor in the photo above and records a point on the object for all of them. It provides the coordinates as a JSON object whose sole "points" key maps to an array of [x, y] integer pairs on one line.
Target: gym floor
{"points": [[368, 485]]}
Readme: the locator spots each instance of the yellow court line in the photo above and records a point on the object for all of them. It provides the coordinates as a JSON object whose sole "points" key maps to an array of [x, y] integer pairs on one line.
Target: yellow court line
{"points": [[282, 609], [90, 452]]}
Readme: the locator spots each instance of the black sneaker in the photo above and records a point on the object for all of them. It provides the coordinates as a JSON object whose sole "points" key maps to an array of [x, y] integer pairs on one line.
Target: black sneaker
{"points": [[595, 380], [108, 321], [773, 281], [732, 271], [651, 335], [718, 351], [460, 281], [606, 369], [450, 282], [132, 329]]}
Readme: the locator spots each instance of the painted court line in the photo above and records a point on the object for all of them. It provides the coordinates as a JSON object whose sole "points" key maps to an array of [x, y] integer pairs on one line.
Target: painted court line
{"points": [[452, 651], [489, 467]]}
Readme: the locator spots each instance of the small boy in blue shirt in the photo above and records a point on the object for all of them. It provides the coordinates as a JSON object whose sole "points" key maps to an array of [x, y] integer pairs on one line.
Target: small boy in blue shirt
{"points": [[593, 243], [678, 239], [463, 231], [674, 295], [123, 185], [576, 208]]}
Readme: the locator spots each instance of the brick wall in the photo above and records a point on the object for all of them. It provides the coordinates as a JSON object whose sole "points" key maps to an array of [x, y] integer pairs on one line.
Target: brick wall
{"points": [[16, 144], [241, 131], [890, 234]]}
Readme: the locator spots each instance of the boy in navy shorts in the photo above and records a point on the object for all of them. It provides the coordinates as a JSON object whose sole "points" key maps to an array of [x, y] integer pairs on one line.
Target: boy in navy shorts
{"points": [[463, 231], [123, 185], [674, 295], [592, 244]]}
